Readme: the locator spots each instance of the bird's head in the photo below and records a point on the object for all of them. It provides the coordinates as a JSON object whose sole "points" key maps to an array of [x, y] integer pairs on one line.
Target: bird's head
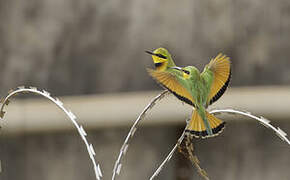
{"points": [[188, 72], [161, 58]]}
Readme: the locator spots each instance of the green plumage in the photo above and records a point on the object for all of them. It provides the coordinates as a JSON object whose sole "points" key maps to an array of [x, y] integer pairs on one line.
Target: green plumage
{"points": [[195, 88], [198, 84]]}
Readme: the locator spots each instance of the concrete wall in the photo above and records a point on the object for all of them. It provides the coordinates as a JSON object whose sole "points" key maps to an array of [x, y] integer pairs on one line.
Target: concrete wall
{"points": [[91, 46]]}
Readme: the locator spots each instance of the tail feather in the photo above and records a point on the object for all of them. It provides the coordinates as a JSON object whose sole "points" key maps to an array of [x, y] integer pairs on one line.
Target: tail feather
{"points": [[197, 128], [216, 124]]}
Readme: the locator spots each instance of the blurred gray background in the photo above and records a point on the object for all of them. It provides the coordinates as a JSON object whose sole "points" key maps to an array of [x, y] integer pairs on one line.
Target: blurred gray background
{"points": [[94, 48]]}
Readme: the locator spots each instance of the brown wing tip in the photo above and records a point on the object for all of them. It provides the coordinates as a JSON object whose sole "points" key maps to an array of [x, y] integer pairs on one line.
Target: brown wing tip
{"points": [[221, 56], [203, 134]]}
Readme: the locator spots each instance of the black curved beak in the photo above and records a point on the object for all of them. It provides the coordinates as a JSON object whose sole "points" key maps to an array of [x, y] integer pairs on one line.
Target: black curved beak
{"points": [[149, 52], [177, 68]]}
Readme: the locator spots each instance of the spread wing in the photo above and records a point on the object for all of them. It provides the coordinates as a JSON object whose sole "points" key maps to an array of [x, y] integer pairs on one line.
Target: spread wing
{"points": [[220, 69], [169, 81]]}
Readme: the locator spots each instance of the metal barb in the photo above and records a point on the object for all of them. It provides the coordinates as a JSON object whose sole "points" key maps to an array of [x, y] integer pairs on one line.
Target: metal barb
{"points": [[7, 102], [2, 114]]}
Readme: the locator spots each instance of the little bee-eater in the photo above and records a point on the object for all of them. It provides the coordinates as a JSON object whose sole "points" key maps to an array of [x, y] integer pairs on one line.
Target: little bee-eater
{"points": [[164, 63], [202, 89]]}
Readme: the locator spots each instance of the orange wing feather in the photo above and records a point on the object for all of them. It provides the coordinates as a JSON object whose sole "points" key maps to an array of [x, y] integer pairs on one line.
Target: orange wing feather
{"points": [[169, 81], [221, 68], [197, 128]]}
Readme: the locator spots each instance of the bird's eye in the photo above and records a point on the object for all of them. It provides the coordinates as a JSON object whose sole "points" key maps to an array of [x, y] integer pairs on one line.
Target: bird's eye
{"points": [[186, 72], [161, 56]]}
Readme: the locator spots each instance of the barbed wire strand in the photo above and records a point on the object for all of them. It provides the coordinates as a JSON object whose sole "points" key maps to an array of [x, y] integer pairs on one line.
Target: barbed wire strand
{"points": [[170, 154], [70, 115], [189, 147], [279, 132], [124, 148], [168, 157]]}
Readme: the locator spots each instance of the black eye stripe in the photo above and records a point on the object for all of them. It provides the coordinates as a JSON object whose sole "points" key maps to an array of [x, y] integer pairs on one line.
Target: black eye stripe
{"points": [[161, 56], [186, 72], [158, 64]]}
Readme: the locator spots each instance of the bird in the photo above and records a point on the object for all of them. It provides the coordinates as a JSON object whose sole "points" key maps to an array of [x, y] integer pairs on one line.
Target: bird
{"points": [[163, 62], [201, 89]]}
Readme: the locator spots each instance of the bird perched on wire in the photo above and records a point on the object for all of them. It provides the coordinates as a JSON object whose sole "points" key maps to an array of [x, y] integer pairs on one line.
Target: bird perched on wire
{"points": [[194, 88]]}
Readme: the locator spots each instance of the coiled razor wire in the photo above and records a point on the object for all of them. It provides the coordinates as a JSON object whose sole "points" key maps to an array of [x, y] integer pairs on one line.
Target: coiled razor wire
{"points": [[70, 115], [117, 167]]}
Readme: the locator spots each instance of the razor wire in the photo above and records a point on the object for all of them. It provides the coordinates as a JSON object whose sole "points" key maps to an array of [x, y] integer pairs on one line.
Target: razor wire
{"points": [[117, 167], [124, 148], [262, 120], [70, 115]]}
